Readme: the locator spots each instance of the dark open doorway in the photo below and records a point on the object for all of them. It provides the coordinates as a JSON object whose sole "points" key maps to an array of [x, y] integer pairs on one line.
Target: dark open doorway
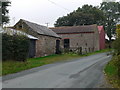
{"points": [[58, 47], [32, 48]]}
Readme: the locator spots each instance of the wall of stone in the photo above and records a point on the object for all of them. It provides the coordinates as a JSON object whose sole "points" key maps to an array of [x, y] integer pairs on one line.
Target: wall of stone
{"points": [[88, 41], [45, 45]]}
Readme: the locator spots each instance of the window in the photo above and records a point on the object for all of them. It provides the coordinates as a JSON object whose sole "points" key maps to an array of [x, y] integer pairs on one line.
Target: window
{"points": [[66, 43]]}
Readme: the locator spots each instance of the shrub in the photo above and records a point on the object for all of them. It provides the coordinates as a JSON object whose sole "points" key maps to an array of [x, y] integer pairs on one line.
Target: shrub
{"points": [[15, 47], [118, 30], [116, 46]]}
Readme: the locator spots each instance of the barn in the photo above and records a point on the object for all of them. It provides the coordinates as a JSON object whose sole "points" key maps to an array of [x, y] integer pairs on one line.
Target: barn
{"points": [[45, 44], [85, 37]]}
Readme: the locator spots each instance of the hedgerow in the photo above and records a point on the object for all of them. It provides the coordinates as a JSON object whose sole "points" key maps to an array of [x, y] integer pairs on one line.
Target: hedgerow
{"points": [[15, 47]]}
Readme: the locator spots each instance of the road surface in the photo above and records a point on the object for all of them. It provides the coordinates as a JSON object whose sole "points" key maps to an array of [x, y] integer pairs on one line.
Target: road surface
{"points": [[85, 72]]}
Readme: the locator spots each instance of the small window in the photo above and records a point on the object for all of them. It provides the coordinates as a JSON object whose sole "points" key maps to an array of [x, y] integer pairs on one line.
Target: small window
{"points": [[20, 26], [66, 43]]}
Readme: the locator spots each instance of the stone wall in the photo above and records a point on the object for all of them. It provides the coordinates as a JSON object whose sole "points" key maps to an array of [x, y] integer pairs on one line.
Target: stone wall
{"points": [[45, 45], [88, 41]]}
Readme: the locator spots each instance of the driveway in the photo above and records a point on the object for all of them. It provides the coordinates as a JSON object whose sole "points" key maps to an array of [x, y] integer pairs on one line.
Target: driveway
{"points": [[85, 72]]}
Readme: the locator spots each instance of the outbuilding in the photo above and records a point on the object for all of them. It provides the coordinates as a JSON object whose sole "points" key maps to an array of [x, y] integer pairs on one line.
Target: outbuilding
{"points": [[85, 37], [47, 39]]}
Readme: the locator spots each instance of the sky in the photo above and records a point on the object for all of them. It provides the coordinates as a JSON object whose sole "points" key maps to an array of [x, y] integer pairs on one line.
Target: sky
{"points": [[44, 11]]}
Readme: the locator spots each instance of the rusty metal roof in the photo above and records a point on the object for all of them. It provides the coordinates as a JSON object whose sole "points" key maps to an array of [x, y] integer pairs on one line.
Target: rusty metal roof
{"points": [[75, 29]]}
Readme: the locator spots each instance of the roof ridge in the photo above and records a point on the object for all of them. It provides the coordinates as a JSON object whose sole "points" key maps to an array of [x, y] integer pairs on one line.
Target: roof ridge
{"points": [[74, 26], [31, 22], [40, 28]]}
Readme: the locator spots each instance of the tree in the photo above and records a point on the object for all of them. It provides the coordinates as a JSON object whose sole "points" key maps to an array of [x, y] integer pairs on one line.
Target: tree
{"points": [[118, 30], [86, 15], [112, 12], [5, 11]]}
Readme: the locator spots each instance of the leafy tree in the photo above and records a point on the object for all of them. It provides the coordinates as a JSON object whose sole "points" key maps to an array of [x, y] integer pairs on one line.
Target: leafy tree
{"points": [[82, 16], [118, 30], [5, 11], [112, 12]]}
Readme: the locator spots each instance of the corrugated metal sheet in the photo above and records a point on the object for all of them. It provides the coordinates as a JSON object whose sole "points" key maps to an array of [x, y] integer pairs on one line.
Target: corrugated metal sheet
{"points": [[13, 31]]}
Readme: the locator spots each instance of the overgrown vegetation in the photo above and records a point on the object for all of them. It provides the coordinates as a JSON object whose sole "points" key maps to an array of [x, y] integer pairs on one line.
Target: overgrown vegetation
{"points": [[113, 67], [112, 71], [11, 66], [15, 47]]}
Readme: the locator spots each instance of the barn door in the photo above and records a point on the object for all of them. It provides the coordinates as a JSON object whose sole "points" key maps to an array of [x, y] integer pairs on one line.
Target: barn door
{"points": [[57, 46], [32, 48]]}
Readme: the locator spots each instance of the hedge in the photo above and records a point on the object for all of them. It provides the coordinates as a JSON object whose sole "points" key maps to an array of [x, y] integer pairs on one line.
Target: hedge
{"points": [[116, 46], [15, 47]]}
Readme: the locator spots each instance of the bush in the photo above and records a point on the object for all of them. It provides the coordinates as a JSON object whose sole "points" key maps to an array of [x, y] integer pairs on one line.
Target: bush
{"points": [[116, 46], [15, 47]]}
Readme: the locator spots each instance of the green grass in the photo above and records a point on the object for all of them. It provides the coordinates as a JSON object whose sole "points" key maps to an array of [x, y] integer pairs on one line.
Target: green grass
{"points": [[9, 67], [96, 52], [111, 70]]}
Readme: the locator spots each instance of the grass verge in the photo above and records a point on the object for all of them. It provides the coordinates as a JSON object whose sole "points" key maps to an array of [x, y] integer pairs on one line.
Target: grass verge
{"points": [[111, 71], [9, 67]]}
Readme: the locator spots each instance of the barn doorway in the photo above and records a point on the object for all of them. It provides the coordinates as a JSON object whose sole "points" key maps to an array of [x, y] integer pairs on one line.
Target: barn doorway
{"points": [[58, 47], [66, 43], [32, 48]]}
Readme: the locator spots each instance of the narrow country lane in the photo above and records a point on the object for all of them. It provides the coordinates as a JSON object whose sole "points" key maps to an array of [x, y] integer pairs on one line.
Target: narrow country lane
{"points": [[85, 72]]}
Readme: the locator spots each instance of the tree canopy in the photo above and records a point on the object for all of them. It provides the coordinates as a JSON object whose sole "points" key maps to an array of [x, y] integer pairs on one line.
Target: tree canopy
{"points": [[118, 30], [112, 12], [86, 15], [5, 11], [107, 15]]}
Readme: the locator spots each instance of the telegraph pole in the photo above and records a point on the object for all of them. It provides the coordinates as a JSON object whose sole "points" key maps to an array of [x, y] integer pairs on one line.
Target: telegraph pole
{"points": [[47, 24]]}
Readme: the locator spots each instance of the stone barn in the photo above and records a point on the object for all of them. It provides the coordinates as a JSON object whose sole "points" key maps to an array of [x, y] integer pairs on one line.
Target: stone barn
{"points": [[84, 37], [47, 39]]}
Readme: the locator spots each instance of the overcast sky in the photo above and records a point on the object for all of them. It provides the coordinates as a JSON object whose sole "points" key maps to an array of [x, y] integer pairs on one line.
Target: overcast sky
{"points": [[44, 11]]}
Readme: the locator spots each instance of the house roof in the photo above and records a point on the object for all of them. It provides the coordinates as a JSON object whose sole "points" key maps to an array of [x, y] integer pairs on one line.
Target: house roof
{"points": [[40, 29], [75, 29], [13, 31]]}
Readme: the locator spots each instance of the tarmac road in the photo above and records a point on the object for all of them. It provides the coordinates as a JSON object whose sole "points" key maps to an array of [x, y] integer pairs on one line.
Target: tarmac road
{"points": [[85, 72]]}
